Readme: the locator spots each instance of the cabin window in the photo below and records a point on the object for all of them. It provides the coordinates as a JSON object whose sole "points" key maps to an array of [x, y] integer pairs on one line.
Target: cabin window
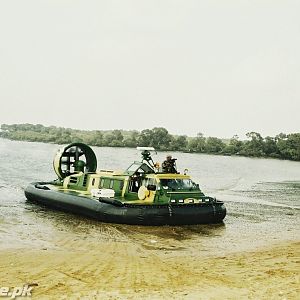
{"points": [[121, 184], [85, 180], [111, 184], [73, 179], [135, 183], [178, 184], [101, 185], [149, 181], [117, 186]]}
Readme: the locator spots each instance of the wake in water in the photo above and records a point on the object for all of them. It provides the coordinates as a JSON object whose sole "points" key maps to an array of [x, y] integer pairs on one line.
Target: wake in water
{"points": [[280, 194]]}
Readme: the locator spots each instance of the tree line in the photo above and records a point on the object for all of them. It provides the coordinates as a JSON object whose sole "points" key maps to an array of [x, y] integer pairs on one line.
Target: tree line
{"points": [[283, 146]]}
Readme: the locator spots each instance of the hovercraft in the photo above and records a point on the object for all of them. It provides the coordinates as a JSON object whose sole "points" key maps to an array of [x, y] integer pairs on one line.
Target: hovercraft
{"points": [[140, 195]]}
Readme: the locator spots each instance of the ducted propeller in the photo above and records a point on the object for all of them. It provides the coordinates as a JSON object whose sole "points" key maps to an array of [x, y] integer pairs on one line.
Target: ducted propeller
{"points": [[74, 158]]}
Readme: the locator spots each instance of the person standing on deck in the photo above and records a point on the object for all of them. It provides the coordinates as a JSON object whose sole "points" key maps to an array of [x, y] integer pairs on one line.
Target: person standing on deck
{"points": [[168, 166]]}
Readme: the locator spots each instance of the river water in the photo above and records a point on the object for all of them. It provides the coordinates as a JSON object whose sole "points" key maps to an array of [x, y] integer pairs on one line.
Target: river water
{"points": [[262, 197]]}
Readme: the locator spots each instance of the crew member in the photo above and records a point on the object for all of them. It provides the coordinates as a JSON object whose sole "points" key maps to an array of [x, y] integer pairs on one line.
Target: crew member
{"points": [[168, 166]]}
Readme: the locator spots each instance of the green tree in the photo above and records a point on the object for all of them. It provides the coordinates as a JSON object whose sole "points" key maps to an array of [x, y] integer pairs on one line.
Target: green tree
{"points": [[197, 144], [160, 138], [234, 146], [179, 143], [253, 147], [114, 139], [145, 138], [289, 146], [270, 147], [98, 138], [132, 140], [214, 145]]}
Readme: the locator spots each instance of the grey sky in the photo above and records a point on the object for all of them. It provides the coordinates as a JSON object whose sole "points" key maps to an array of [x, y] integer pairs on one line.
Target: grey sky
{"points": [[217, 67]]}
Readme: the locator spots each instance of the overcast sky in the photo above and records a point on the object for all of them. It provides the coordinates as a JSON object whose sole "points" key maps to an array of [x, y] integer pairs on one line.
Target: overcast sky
{"points": [[216, 67]]}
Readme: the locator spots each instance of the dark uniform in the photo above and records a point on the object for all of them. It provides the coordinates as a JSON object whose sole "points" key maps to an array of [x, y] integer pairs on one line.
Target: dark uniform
{"points": [[168, 166]]}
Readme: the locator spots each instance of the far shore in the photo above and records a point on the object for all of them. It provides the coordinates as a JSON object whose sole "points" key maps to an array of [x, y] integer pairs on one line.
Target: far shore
{"points": [[163, 151], [281, 146]]}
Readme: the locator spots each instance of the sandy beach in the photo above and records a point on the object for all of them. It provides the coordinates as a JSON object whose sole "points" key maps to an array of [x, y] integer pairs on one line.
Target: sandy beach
{"points": [[126, 271]]}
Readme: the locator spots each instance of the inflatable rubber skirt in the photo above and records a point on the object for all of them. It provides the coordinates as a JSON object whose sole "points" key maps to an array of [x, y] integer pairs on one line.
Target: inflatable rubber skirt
{"points": [[111, 210]]}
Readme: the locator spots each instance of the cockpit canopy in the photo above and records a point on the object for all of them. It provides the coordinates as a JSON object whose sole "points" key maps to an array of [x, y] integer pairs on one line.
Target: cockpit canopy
{"points": [[139, 167]]}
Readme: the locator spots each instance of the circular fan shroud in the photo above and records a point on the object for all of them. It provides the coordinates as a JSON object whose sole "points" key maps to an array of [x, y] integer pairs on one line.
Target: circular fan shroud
{"points": [[65, 157]]}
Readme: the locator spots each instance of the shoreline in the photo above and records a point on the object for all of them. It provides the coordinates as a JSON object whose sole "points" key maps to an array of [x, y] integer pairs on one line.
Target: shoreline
{"points": [[160, 150], [118, 270]]}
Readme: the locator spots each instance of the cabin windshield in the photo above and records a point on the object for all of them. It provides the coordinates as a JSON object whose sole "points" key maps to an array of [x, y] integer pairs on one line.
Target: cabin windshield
{"points": [[178, 184]]}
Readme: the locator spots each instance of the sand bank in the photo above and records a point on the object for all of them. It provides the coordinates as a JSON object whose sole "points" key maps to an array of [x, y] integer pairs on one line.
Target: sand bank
{"points": [[126, 271]]}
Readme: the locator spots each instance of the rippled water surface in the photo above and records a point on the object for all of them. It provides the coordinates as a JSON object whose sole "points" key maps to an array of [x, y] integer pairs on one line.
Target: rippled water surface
{"points": [[262, 197]]}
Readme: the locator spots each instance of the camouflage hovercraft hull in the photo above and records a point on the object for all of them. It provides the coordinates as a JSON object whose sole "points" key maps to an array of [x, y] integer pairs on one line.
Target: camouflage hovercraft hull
{"points": [[114, 211], [143, 194]]}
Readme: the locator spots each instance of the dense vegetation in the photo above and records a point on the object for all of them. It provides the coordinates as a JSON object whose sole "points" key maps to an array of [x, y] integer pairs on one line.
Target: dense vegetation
{"points": [[285, 146]]}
